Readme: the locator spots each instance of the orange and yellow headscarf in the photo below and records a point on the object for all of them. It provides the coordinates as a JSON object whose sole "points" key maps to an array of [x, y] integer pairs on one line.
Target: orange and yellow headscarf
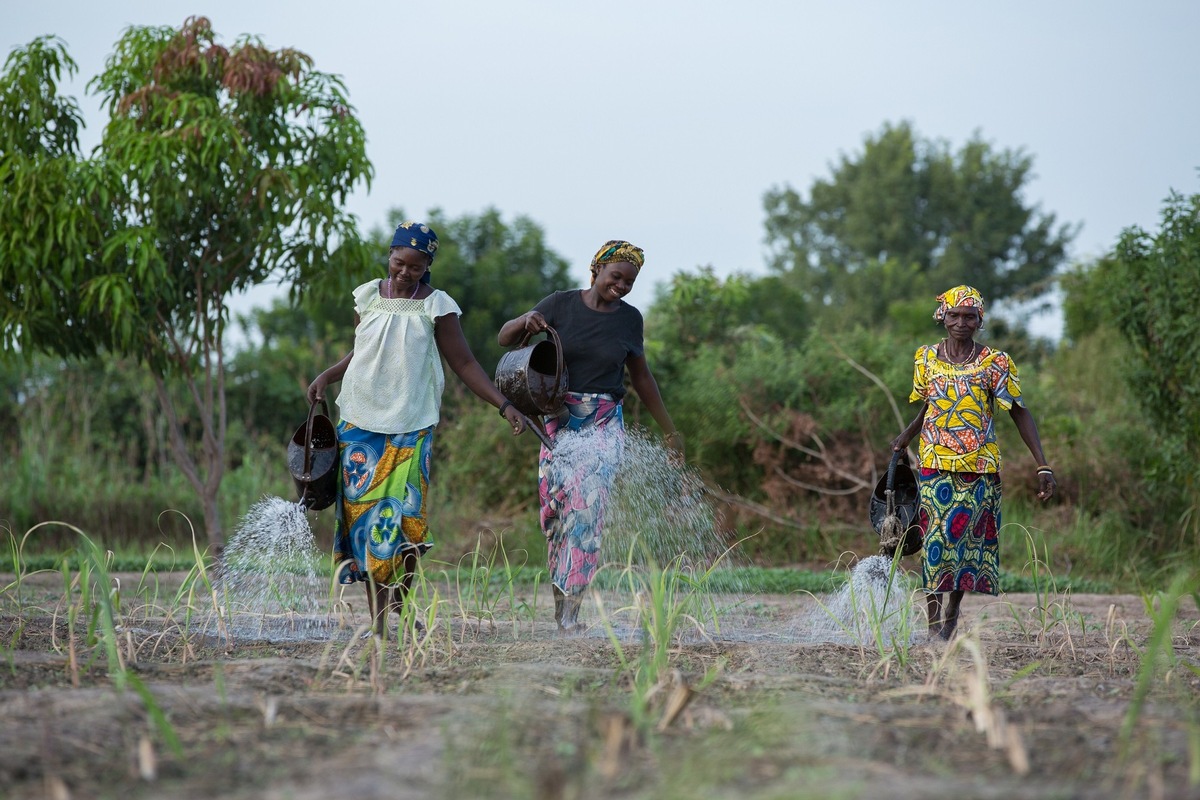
{"points": [[962, 295], [616, 250]]}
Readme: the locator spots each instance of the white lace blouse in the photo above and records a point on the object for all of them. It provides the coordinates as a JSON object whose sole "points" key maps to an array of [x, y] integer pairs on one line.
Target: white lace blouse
{"points": [[394, 381]]}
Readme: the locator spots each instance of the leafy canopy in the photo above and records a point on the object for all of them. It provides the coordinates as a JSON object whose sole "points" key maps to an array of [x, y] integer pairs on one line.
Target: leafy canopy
{"points": [[217, 167], [1154, 290], [908, 218]]}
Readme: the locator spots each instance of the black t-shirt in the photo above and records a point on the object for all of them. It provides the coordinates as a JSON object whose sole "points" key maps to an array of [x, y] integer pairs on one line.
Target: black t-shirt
{"points": [[595, 344]]}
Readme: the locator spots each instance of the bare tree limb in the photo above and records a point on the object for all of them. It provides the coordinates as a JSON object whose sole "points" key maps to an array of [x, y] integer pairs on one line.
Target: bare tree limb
{"points": [[874, 379], [900, 423], [819, 489], [808, 451], [761, 510], [820, 453]]}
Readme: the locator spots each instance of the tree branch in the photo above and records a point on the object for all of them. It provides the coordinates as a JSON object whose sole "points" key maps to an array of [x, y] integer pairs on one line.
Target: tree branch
{"points": [[761, 510], [819, 489], [820, 454], [874, 379]]}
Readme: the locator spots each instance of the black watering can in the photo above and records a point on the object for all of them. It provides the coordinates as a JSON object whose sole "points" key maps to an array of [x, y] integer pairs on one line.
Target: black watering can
{"points": [[533, 377], [312, 459], [894, 506]]}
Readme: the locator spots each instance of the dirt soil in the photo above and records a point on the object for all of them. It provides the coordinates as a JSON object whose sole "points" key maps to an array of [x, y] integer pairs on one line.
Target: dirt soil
{"points": [[1037, 698]]}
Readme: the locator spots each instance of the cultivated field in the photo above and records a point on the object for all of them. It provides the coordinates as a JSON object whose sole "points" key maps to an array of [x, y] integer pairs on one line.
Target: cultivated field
{"points": [[673, 692]]}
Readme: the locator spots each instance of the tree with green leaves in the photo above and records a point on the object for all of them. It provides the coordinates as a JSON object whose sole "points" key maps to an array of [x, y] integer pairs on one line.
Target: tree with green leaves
{"points": [[908, 218], [218, 167], [1153, 290]]}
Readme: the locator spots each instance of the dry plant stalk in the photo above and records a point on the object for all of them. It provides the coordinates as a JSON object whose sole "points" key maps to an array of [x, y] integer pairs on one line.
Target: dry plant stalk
{"points": [[377, 675], [680, 695], [970, 689], [56, 789], [974, 694], [345, 660], [619, 737], [130, 650], [146, 759], [270, 710]]}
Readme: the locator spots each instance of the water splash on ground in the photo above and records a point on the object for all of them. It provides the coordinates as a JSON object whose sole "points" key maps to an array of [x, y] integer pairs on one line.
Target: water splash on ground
{"points": [[273, 583], [658, 517], [873, 608], [657, 510], [660, 513]]}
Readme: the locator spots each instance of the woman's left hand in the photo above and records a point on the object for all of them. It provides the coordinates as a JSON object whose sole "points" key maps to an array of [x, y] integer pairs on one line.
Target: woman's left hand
{"points": [[675, 453], [1046, 485], [516, 419]]}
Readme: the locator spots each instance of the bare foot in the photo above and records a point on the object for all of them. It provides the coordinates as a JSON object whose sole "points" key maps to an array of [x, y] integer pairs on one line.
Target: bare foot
{"points": [[572, 629]]}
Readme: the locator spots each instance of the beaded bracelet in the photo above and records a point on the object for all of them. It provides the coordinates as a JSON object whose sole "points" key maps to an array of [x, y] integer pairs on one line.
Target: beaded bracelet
{"points": [[504, 406]]}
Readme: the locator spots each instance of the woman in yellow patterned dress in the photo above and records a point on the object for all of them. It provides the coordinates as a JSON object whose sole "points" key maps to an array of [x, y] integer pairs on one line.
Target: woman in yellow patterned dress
{"points": [[959, 382]]}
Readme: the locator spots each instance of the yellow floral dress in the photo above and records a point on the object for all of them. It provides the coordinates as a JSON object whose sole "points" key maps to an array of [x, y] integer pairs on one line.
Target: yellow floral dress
{"points": [[959, 477]]}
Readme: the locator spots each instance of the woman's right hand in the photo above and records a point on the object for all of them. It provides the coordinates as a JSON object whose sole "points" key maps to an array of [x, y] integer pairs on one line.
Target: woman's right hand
{"points": [[901, 442], [316, 389], [535, 322]]}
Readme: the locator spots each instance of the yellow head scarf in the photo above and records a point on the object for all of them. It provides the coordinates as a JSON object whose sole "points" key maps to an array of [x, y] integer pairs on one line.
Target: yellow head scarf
{"points": [[958, 296], [615, 250]]}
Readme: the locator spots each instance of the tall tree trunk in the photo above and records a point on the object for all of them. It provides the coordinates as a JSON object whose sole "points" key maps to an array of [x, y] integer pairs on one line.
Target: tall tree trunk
{"points": [[204, 477], [206, 388]]}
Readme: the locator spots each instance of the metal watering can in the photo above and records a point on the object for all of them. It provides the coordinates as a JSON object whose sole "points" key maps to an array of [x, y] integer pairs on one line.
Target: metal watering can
{"points": [[893, 512], [533, 377], [312, 459]]}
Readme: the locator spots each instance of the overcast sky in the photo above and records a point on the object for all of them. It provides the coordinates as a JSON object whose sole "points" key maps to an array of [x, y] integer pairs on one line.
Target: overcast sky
{"points": [[665, 122]]}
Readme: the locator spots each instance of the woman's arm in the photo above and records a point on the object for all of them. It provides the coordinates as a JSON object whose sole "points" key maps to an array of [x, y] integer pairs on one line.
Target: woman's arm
{"points": [[316, 389], [906, 435], [1029, 434], [452, 344], [515, 329], [647, 391]]}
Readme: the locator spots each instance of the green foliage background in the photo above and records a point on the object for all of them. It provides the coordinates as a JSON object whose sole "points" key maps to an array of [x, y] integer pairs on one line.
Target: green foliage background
{"points": [[788, 386]]}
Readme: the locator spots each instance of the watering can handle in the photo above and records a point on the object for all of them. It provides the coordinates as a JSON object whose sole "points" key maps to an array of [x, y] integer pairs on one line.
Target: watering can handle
{"points": [[891, 482], [308, 428], [558, 351]]}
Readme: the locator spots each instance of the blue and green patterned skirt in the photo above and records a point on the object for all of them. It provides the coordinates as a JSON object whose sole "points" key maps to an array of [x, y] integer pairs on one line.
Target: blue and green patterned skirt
{"points": [[380, 509], [959, 520]]}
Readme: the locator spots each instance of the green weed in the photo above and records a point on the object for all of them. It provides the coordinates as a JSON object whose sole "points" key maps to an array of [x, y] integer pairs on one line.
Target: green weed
{"points": [[1162, 668]]}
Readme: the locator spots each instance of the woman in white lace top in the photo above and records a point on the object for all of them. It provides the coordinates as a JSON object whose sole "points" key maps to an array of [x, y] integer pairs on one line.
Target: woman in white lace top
{"points": [[390, 405]]}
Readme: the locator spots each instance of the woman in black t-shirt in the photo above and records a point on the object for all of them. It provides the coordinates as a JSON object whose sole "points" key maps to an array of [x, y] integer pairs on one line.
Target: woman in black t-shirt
{"points": [[601, 337]]}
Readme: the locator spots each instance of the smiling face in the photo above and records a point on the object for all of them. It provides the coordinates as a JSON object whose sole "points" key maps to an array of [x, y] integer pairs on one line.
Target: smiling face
{"points": [[615, 280], [962, 322], [405, 268]]}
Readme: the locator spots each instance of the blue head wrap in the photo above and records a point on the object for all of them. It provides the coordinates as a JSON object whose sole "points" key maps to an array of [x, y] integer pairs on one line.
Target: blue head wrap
{"points": [[419, 237]]}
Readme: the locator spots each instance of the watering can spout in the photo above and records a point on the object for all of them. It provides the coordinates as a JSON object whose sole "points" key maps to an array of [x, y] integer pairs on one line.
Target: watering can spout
{"points": [[539, 432]]}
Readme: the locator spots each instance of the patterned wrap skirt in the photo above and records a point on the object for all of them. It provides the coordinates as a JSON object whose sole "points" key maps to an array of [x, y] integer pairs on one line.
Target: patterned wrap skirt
{"points": [[380, 508], [574, 481], [959, 520]]}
